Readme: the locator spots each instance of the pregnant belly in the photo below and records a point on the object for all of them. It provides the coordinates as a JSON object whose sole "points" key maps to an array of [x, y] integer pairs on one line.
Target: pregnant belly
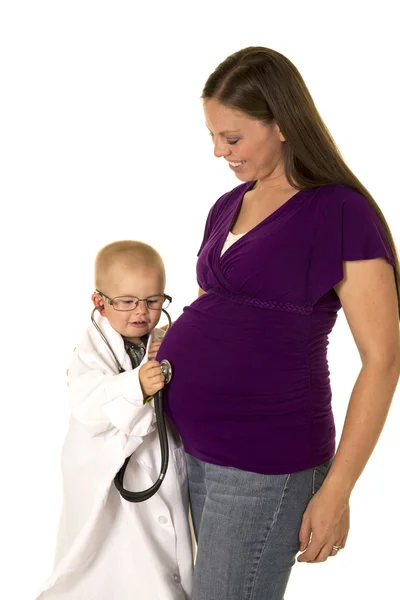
{"points": [[233, 368]]}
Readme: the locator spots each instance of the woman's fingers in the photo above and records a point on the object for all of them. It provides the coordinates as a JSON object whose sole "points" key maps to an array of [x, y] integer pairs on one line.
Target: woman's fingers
{"points": [[305, 533], [313, 549], [337, 547]]}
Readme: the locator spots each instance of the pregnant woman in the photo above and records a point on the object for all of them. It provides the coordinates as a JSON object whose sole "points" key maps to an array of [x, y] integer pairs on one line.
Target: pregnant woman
{"points": [[297, 240]]}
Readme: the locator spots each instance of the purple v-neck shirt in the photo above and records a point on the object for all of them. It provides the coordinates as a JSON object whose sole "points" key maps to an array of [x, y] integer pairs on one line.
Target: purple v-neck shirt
{"points": [[251, 384]]}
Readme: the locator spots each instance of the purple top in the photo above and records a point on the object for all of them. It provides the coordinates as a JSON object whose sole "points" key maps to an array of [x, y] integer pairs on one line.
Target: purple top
{"points": [[251, 384]]}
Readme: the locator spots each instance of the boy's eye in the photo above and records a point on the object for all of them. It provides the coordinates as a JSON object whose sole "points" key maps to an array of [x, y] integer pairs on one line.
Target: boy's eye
{"points": [[127, 302], [153, 301]]}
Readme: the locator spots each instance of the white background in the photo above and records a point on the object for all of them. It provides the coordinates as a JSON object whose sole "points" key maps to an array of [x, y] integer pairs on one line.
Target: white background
{"points": [[103, 138]]}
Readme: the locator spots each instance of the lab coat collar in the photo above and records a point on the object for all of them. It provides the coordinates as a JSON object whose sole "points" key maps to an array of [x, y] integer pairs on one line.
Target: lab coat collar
{"points": [[116, 341]]}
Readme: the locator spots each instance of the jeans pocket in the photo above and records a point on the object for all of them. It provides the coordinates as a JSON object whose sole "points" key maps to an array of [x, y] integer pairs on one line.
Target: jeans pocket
{"points": [[319, 474]]}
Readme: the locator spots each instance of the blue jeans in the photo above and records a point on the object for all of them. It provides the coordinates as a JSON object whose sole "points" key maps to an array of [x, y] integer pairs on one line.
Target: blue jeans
{"points": [[247, 529]]}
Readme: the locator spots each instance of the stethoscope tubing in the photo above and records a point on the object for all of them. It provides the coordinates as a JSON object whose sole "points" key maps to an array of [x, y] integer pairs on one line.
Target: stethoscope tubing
{"points": [[162, 434], [161, 428]]}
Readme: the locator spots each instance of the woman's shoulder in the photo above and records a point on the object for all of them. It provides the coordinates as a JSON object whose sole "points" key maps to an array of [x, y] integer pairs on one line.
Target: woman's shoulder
{"points": [[337, 194], [338, 201]]}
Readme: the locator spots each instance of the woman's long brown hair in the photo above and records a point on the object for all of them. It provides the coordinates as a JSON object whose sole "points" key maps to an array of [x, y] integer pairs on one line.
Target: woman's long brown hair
{"points": [[265, 85]]}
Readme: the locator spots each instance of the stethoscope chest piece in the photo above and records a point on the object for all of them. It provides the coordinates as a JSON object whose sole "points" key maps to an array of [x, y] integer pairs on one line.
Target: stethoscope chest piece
{"points": [[166, 370]]}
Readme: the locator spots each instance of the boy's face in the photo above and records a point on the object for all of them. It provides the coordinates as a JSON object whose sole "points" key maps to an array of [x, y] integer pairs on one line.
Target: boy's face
{"points": [[140, 282]]}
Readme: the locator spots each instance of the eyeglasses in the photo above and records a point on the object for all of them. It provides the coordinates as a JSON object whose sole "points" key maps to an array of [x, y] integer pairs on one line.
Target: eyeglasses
{"points": [[131, 302]]}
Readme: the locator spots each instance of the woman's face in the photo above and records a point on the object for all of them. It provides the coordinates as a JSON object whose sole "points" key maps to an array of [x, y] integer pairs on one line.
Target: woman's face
{"points": [[253, 150]]}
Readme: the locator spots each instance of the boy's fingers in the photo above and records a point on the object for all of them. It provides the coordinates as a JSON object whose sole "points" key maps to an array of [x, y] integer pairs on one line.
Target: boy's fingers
{"points": [[155, 369], [156, 379], [154, 349], [153, 388], [147, 367]]}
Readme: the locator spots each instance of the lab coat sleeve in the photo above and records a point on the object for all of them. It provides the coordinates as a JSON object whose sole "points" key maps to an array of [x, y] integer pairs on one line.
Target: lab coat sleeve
{"points": [[102, 401]]}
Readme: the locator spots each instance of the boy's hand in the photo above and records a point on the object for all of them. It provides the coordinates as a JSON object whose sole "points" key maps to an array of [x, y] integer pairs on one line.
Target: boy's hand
{"points": [[154, 349], [151, 378]]}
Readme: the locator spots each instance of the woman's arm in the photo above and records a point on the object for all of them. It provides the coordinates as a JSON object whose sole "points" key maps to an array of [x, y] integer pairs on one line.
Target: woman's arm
{"points": [[369, 300]]}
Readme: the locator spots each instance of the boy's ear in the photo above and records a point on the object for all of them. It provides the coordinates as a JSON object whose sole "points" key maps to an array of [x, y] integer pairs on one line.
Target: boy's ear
{"points": [[98, 302]]}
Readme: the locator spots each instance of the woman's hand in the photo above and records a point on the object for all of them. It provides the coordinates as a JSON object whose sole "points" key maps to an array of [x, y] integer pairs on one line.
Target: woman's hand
{"points": [[326, 524]]}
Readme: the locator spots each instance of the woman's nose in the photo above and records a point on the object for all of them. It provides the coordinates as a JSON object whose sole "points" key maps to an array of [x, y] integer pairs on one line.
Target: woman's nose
{"points": [[221, 149]]}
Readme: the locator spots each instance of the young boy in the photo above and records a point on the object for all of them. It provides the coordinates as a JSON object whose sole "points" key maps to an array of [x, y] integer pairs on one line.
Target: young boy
{"points": [[108, 548]]}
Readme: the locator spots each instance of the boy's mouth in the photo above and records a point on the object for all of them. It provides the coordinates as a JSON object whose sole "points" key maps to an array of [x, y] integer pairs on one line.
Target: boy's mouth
{"points": [[138, 323]]}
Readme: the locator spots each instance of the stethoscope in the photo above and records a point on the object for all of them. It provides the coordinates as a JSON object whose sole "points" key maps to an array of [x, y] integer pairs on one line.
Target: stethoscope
{"points": [[166, 370]]}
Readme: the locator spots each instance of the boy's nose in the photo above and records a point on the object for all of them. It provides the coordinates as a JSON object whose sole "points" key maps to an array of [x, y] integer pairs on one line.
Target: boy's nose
{"points": [[142, 306]]}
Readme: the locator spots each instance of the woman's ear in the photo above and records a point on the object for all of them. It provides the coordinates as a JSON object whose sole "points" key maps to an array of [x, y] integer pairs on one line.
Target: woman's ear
{"points": [[280, 134]]}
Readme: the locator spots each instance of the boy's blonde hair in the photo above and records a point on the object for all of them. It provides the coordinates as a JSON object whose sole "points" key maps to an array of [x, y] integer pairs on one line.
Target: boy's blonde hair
{"points": [[126, 253]]}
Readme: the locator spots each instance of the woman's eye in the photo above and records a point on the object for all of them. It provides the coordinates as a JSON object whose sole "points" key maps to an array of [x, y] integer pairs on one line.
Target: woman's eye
{"points": [[231, 142]]}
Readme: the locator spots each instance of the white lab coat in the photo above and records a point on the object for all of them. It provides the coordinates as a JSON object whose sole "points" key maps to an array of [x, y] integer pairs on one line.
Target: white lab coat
{"points": [[108, 548]]}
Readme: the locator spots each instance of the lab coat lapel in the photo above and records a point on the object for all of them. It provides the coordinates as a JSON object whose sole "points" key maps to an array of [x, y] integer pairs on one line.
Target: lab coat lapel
{"points": [[117, 343]]}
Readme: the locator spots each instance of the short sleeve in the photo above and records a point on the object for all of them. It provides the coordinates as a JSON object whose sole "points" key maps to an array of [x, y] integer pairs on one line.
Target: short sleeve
{"points": [[348, 229]]}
